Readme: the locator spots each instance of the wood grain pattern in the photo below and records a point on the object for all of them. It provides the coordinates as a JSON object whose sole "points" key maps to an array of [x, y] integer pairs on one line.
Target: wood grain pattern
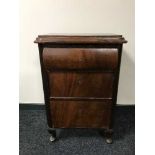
{"points": [[80, 58], [77, 84], [80, 79], [89, 39], [80, 114]]}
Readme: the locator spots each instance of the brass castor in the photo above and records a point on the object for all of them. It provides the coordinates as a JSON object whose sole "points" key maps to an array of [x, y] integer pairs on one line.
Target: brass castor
{"points": [[52, 138], [53, 135], [109, 140], [108, 135]]}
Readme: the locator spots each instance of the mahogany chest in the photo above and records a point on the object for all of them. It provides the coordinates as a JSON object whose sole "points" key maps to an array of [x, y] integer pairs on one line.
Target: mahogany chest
{"points": [[80, 80]]}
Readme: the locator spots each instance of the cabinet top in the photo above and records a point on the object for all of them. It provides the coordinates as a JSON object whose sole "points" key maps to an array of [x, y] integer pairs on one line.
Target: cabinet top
{"points": [[86, 38]]}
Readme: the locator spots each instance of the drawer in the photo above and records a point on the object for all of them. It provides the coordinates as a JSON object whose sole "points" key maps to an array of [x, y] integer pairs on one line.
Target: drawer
{"points": [[81, 114], [81, 84], [80, 58]]}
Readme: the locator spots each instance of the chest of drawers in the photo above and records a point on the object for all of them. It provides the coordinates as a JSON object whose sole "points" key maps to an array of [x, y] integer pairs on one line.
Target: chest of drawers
{"points": [[80, 80]]}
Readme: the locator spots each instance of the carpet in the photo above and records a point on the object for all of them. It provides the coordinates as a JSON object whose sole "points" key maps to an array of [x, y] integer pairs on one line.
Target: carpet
{"points": [[34, 137]]}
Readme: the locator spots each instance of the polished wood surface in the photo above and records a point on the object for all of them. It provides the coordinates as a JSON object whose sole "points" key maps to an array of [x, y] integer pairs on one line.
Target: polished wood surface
{"points": [[82, 39], [81, 114], [80, 58], [80, 79], [81, 84]]}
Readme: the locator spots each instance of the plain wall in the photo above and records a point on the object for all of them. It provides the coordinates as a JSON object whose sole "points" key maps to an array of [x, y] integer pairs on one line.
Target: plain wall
{"points": [[73, 16]]}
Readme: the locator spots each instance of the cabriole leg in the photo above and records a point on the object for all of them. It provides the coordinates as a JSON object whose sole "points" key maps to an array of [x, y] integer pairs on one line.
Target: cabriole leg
{"points": [[108, 136], [53, 135]]}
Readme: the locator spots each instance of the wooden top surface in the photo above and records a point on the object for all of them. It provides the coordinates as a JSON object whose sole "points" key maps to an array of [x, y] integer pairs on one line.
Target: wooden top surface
{"points": [[81, 38]]}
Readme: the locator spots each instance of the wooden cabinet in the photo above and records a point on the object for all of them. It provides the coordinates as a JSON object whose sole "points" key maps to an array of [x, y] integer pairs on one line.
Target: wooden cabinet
{"points": [[80, 79]]}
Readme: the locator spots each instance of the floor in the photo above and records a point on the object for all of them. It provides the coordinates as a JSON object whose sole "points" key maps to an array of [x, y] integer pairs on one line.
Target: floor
{"points": [[34, 138]]}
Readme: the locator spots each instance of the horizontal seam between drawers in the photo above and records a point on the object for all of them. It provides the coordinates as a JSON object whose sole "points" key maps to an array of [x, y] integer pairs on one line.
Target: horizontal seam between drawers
{"points": [[79, 98]]}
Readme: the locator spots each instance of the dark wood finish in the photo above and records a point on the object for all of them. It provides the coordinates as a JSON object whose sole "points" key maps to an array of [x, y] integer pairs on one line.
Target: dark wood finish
{"points": [[79, 98], [77, 84], [80, 79], [85, 39], [81, 114], [80, 58], [45, 86]]}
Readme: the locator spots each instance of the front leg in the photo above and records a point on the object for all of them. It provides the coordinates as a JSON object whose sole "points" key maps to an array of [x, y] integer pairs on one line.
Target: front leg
{"points": [[53, 134], [108, 136]]}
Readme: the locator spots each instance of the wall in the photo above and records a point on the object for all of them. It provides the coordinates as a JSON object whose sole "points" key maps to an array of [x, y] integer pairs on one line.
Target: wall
{"points": [[73, 16]]}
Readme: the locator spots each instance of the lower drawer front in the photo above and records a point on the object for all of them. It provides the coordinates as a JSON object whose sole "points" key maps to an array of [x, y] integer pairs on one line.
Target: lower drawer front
{"points": [[81, 114]]}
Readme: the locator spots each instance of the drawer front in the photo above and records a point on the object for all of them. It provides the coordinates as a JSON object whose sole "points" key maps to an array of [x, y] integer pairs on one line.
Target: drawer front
{"points": [[70, 114], [81, 84], [80, 58]]}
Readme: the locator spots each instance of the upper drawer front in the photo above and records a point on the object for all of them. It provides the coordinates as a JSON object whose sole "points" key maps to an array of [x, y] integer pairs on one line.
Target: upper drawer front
{"points": [[80, 58]]}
